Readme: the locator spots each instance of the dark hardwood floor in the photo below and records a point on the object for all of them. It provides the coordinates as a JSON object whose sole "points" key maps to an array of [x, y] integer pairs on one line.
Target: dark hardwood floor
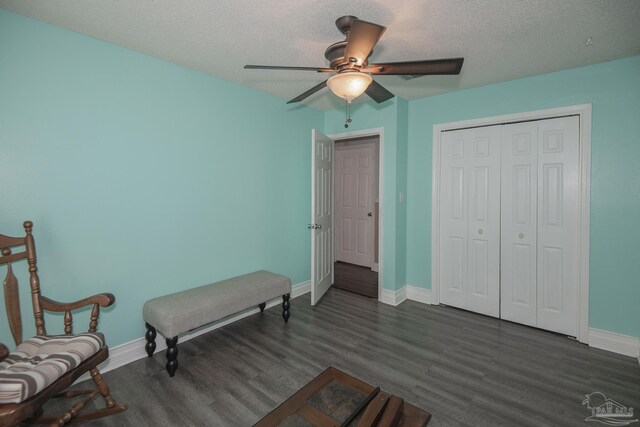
{"points": [[466, 369], [355, 278]]}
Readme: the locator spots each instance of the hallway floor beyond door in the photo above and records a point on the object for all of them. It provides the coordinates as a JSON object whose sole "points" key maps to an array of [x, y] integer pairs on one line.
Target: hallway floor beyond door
{"points": [[356, 279]]}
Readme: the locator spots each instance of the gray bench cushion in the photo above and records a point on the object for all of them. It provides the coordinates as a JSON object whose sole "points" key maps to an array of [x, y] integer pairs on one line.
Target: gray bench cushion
{"points": [[183, 311]]}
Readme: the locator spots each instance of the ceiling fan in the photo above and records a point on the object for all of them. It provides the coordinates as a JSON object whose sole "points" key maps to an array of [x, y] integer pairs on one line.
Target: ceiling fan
{"points": [[349, 59]]}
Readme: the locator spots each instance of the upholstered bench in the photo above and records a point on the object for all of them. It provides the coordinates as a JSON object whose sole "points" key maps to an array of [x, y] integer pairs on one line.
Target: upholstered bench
{"points": [[177, 313]]}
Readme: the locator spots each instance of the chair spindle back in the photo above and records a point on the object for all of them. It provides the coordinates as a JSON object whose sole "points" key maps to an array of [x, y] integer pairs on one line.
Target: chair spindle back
{"points": [[10, 284]]}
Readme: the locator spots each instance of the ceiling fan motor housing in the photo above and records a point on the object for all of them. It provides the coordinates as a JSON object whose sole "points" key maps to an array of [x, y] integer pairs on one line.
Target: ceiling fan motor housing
{"points": [[335, 52]]}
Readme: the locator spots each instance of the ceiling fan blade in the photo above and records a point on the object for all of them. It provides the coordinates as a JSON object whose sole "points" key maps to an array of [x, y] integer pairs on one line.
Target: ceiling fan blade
{"points": [[311, 91], [281, 67], [434, 66], [378, 93], [363, 36]]}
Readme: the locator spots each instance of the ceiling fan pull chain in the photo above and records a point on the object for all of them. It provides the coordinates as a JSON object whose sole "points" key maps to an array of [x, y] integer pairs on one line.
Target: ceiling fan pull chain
{"points": [[348, 114]]}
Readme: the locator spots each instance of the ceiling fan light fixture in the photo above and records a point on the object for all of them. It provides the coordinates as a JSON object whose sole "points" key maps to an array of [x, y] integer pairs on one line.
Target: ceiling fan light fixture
{"points": [[349, 85]]}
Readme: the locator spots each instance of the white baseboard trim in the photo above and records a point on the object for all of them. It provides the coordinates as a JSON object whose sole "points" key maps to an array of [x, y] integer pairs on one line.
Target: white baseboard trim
{"points": [[418, 294], [393, 297], [131, 351], [401, 294], [406, 292], [388, 297], [300, 289], [617, 343]]}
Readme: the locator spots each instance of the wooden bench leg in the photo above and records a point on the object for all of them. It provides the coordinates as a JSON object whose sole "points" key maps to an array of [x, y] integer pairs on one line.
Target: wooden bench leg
{"points": [[172, 355], [150, 346], [285, 307], [262, 306]]}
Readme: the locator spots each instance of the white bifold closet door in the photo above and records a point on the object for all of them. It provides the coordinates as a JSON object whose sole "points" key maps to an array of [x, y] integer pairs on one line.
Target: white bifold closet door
{"points": [[539, 247], [470, 220], [509, 210]]}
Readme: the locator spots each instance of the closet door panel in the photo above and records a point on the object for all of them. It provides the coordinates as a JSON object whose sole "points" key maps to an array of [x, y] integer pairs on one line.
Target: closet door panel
{"points": [[558, 204], [484, 221], [470, 220], [518, 223], [453, 219]]}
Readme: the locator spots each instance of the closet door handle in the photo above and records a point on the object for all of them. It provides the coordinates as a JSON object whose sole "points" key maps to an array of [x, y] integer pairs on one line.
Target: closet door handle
{"points": [[521, 236]]}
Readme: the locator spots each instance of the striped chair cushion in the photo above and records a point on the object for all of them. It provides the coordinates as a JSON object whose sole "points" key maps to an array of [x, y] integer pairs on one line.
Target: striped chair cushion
{"points": [[36, 363]]}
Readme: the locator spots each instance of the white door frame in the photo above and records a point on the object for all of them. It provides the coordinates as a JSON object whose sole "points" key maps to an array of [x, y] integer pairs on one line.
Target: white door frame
{"points": [[379, 132], [583, 111]]}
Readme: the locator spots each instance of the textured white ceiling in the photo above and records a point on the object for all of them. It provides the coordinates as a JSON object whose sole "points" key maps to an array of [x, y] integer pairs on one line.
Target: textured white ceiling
{"points": [[500, 39]]}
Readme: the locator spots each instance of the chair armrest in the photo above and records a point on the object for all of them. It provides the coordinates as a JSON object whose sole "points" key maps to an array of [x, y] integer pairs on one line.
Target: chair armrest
{"points": [[103, 300], [4, 352]]}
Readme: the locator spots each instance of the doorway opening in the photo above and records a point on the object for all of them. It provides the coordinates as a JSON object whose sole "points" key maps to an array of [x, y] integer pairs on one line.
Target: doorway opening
{"points": [[323, 247], [356, 214]]}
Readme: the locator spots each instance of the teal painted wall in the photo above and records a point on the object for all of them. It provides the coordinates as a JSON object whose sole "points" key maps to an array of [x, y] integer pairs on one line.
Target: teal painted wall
{"points": [[402, 152], [143, 177], [613, 88]]}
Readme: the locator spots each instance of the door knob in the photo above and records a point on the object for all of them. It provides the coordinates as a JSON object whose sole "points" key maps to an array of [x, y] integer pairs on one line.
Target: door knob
{"points": [[309, 226], [370, 214], [521, 236], [317, 226]]}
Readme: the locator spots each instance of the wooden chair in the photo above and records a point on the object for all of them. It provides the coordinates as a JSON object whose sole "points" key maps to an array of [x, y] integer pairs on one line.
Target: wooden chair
{"points": [[35, 371]]}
